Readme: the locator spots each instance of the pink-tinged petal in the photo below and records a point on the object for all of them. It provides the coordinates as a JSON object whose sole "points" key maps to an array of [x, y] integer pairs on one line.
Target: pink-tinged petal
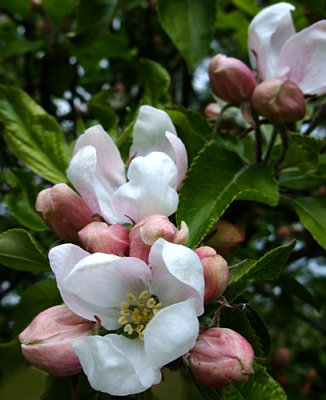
{"points": [[116, 365], [181, 158], [268, 32], [151, 188], [101, 282], [177, 274], [303, 59], [171, 333], [96, 170], [149, 133]]}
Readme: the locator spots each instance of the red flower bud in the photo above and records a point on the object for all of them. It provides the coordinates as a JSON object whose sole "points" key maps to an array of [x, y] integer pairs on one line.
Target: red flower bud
{"points": [[280, 100], [224, 236], [47, 341], [100, 237], [64, 211], [231, 80], [216, 272], [149, 229], [220, 357]]}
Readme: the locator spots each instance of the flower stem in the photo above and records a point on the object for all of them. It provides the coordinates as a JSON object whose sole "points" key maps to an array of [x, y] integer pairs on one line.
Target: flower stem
{"points": [[285, 144], [270, 146]]}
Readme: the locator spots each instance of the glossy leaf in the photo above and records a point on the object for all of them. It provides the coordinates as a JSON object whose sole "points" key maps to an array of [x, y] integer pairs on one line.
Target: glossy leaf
{"points": [[21, 199], [312, 214], [19, 250], [190, 25], [269, 267], [156, 82], [260, 386], [33, 135], [217, 178], [99, 104]]}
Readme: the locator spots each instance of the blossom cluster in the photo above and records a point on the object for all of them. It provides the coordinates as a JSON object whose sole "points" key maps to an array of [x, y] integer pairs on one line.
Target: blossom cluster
{"points": [[286, 67], [132, 290]]}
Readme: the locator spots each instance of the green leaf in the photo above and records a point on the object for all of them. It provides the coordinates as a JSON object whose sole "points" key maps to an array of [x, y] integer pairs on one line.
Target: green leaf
{"points": [[249, 6], [11, 356], [59, 9], [312, 214], [216, 178], [22, 197], [190, 24], [100, 106], [299, 180], [20, 7], [291, 286], [302, 153], [19, 45], [94, 16], [33, 135], [260, 386], [19, 250], [38, 297], [192, 129], [236, 319], [155, 81], [269, 267]]}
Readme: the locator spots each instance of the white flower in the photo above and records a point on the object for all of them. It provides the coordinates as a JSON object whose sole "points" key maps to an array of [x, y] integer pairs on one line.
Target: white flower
{"points": [[276, 51], [156, 171], [152, 308]]}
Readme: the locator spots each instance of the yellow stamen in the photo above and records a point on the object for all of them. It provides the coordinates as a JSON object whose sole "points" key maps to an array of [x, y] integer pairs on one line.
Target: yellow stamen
{"points": [[122, 320], [125, 312], [143, 294], [131, 298], [124, 305], [128, 328], [150, 303]]}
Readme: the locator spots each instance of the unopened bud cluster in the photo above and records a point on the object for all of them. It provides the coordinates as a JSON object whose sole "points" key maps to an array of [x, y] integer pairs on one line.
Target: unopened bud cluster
{"points": [[280, 100]]}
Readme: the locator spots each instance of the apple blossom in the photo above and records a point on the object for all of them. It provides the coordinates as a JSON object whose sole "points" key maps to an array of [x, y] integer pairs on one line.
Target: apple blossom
{"points": [[220, 357], [157, 168], [231, 79], [216, 272], [280, 100], [63, 211], [148, 230], [47, 341], [100, 237], [276, 51], [152, 310]]}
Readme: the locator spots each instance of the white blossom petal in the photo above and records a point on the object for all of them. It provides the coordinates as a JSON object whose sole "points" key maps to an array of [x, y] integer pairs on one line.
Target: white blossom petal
{"points": [[63, 259], [181, 158], [171, 333], [102, 282], [151, 188], [303, 59], [115, 364], [96, 170], [268, 32], [149, 133], [177, 274]]}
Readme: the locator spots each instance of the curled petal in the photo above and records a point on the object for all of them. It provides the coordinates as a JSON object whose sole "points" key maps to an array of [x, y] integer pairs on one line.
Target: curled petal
{"points": [[268, 32], [177, 274], [171, 333], [181, 159], [149, 133], [115, 364], [150, 190], [96, 170], [303, 59]]}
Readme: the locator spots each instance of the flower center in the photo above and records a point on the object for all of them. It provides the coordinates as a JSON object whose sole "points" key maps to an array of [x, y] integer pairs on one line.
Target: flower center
{"points": [[137, 312]]}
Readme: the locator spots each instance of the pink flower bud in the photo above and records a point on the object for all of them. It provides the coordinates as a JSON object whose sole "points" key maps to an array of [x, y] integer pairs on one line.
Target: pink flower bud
{"points": [[280, 100], [220, 357], [212, 110], [231, 80], [224, 236], [47, 341], [100, 237], [64, 211], [216, 272], [148, 230]]}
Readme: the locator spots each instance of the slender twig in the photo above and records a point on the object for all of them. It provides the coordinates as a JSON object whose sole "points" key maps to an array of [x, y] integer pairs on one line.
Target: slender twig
{"points": [[285, 144], [258, 143], [270, 146]]}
